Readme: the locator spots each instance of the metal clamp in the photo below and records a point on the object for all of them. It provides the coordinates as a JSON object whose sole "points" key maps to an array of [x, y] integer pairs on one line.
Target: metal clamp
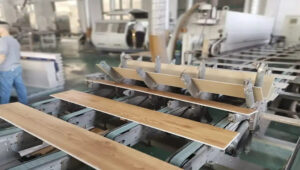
{"points": [[146, 78], [123, 58], [110, 71], [157, 65], [201, 70], [249, 95], [190, 85], [234, 118], [261, 71]]}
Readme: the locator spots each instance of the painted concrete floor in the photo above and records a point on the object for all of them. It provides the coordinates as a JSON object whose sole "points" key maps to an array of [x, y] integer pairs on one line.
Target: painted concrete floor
{"points": [[80, 62]]}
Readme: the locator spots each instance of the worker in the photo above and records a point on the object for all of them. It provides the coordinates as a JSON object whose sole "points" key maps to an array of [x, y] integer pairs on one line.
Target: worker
{"points": [[139, 33], [10, 67]]}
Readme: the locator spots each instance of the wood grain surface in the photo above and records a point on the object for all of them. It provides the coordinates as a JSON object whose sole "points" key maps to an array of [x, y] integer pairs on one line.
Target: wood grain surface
{"points": [[216, 74], [90, 148], [204, 133], [180, 97], [210, 86], [281, 119]]}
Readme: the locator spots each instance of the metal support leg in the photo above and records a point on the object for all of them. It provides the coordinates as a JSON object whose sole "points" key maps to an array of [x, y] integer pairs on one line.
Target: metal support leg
{"points": [[146, 78], [249, 95], [123, 58], [261, 71], [110, 71], [190, 85], [201, 70], [157, 65]]}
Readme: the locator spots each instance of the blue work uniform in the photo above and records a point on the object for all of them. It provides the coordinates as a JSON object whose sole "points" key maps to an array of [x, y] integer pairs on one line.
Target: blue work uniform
{"points": [[11, 71]]}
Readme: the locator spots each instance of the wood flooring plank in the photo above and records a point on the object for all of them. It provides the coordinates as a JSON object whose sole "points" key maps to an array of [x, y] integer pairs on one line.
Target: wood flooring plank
{"points": [[92, 149], [210, 86], [204, 133], [184, 98], [215, 74]]}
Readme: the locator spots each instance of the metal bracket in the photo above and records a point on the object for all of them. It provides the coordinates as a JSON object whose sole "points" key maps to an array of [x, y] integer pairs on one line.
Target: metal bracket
{"points": [[249, 95], [234, 118], [157, 65], [201, 70], [110, 71], [190, 85], [146, 78], [129, 93], [261, 71], [123, 58]]}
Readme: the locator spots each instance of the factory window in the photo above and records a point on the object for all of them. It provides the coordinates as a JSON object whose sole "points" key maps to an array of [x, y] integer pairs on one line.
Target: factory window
{"points": [[108, 6], [126, 4], [137, 4], [2, 17]]}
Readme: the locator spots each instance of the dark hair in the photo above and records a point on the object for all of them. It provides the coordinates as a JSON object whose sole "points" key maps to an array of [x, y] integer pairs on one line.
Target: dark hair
{"points": [[3, 23]]}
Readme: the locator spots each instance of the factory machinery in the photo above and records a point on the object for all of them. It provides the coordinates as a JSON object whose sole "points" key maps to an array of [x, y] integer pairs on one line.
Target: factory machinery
{"points": [[206, 114], [234, 97]]}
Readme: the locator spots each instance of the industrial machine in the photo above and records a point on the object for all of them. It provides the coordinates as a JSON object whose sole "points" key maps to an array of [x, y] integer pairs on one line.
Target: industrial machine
{"points": [[119, 34], [206, 31], [253, 92], [22, 151]]}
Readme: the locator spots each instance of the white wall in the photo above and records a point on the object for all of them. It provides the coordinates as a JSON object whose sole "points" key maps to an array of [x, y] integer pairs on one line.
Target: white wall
{"points": [[279, 9], [89, 11], [45, 15], [9, 12]]}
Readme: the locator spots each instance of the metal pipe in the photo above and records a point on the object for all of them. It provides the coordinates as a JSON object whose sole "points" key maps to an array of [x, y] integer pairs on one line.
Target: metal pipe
{"points": [[183, 19]]}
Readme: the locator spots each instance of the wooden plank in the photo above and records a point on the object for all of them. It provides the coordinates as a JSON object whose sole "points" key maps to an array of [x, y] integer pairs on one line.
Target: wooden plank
{"points": [[92, 149], [143, 54], [216, 87], [281, 119], [128, 73], [204, 133], [184, 98], [222, 75]]}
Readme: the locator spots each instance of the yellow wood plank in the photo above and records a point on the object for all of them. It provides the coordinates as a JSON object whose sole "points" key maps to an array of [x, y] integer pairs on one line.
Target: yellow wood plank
{"points": [[184, 98], [281, 119], [216, 87], [204, 133], [223, 75], [128, 73], [90, 148]]}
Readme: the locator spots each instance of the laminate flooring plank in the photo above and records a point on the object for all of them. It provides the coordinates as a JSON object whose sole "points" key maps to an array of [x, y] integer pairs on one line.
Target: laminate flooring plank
{"points": [[215, 74], [184, 98], [211, 86], [204, 133], [92, 149]]}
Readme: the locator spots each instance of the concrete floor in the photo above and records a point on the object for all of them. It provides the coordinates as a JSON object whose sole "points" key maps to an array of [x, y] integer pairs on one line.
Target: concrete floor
{"points": [[80, 62]]}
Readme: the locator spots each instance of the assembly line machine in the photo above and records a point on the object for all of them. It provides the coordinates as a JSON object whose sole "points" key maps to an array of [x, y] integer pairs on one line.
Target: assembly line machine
{"points": [[19, 150], [254, 148]]}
